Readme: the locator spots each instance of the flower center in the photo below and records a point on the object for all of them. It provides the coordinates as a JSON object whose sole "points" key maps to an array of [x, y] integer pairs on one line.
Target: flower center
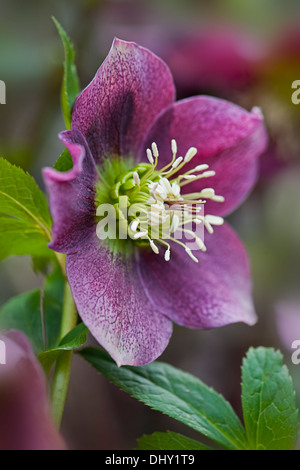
{"points": [[145, 204]]}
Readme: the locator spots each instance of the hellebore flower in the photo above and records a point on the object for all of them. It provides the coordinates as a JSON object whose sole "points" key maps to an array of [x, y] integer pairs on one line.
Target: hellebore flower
{"points": [[125, 138], [25, 422]]}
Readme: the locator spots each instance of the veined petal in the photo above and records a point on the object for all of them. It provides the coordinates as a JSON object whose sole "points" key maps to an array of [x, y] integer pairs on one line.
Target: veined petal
{"points": [[228, 138], [212, 293], [71, 195], [25, 422], [114, 111], [112, 303]]}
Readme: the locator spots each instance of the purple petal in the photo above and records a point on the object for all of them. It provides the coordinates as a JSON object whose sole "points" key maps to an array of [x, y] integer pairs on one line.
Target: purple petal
{"points": [[130, 88], [112, 303], [228, 138], [212, 293], [71, 196], [25, 422]]}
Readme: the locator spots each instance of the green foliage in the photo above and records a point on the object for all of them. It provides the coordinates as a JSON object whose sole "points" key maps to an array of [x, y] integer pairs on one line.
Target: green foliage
{"points": [[169, 441], [23, 312], [70, 85], [24, 216], [73, 340], [177, 394], [268, 399], [64, 161]]}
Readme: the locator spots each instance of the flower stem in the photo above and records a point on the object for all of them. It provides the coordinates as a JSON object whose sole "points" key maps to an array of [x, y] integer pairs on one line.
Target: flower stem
{"points": [[64, 361]]}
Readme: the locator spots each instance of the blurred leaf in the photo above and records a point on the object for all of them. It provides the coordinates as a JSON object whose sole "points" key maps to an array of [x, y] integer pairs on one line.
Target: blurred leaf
{"points": [[177, 394], [70, 86], [169, 441], [41, 264], [23, 312], [268, 399], [24, 215], [64, 161], [74, 339]]}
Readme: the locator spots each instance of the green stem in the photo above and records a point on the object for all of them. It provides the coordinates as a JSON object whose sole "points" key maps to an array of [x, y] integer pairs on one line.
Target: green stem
{"points": [[64, 362]]}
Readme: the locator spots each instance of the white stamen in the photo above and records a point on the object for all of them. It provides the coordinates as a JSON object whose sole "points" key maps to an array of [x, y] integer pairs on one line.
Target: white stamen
{"points": [[207, 193], [175, 223], [165, 184], [189, 177], [150, 156], [218, 198], [208, 226], [154, 150], [174, 146], [140, 235], [167, 254], [207, 174], [154, 247], [214, 219], [134, 225], [202, 167], [200, 244], [163, 208], [176, 190], [190, 154], [136, 178], [189, 252], [177, 162]]}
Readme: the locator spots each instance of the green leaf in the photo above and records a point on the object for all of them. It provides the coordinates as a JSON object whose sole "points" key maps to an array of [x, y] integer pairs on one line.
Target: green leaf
{"points": [[64, 161], [169, 441], [74, 339], [70, 85], [24, 313], [268, 399], [24, 216], [177, 394]]}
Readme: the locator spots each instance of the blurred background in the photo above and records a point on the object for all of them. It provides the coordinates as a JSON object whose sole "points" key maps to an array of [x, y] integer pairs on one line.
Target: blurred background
{"points": [[245, 51]]}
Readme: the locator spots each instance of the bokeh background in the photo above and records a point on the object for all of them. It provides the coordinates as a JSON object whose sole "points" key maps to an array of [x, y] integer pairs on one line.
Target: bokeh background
{"points": [[246, 51]]}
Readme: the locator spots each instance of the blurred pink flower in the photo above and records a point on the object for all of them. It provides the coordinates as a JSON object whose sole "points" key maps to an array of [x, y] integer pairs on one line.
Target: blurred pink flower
{"points": [[249, 71], [288, 322], [25, 422], [216, 59]]}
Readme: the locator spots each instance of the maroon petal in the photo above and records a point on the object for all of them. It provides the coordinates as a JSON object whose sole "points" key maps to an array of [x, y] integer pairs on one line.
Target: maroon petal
{"points": [[25, 422], [130, 88], [212, 293], [112, 303], [228, 138], [71, 195]]}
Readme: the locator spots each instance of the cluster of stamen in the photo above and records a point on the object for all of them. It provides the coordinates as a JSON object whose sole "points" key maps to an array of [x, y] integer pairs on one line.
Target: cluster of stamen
{"points": [[152, 210], [164, 211]]}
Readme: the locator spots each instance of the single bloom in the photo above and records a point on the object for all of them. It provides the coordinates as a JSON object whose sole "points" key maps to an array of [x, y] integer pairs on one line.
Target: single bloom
{"points": [[157, 163], [25, 422]]}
